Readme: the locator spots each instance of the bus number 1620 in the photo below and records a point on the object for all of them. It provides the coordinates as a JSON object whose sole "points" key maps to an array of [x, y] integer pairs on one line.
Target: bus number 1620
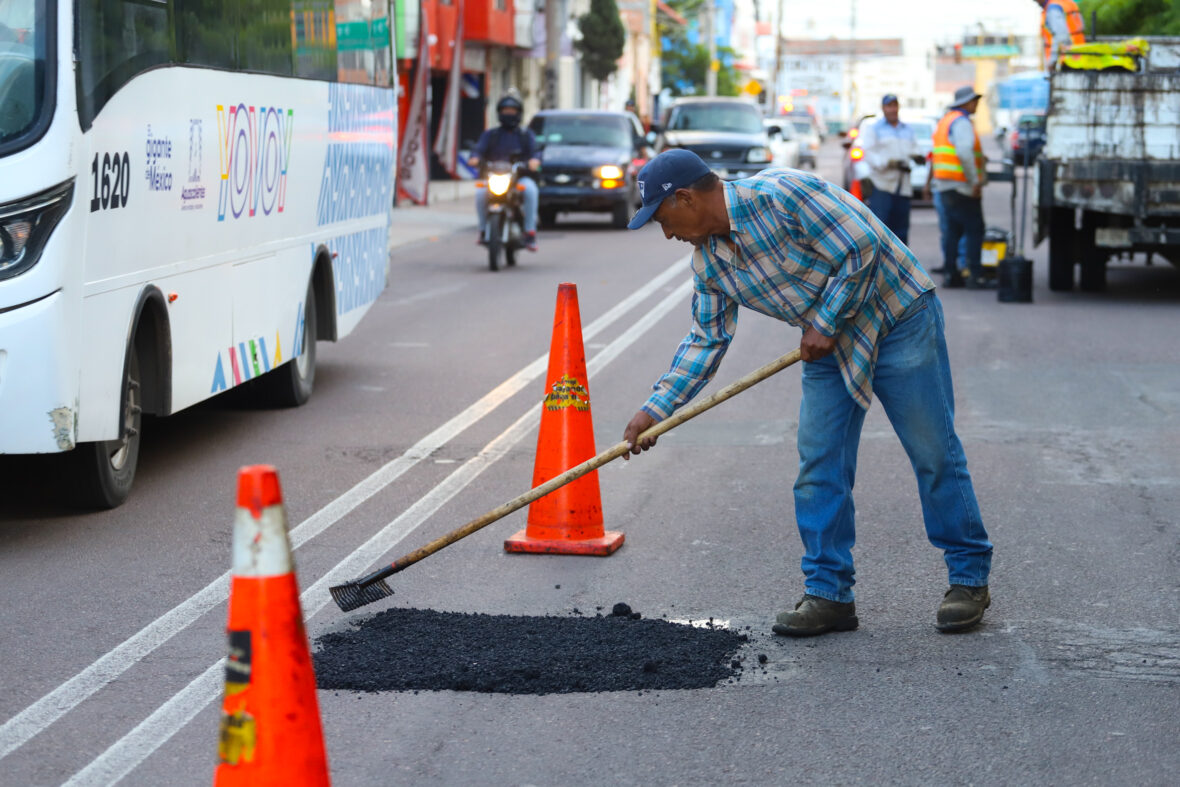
{"points": [[112, 181]]}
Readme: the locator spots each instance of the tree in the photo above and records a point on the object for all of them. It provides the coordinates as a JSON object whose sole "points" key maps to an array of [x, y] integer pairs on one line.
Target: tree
{"points": [[1133, 17], [602, 39], [683, 70], [683, 64]]}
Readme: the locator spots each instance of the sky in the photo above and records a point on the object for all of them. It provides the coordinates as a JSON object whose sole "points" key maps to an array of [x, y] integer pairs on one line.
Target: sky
{"points": [[919, 20]]}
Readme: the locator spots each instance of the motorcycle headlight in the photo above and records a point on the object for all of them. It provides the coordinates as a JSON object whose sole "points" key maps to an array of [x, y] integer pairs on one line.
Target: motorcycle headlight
{"points": [[498, 184], [610, 172], [758, 155], [25, 227]]}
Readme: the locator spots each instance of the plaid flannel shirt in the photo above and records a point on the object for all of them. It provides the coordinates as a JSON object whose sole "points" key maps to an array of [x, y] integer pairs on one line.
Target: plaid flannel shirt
{"points": [[807, 253]]}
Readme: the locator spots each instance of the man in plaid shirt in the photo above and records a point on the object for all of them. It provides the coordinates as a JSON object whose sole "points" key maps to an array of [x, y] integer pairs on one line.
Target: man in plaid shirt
{"points": [[789, 245]]}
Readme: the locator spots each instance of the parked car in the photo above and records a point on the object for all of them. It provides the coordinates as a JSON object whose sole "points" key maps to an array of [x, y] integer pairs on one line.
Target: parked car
{"points": [[727, 133], [589, 162], [924, 133], [784, 143], [1029, 135], [810, 136]]}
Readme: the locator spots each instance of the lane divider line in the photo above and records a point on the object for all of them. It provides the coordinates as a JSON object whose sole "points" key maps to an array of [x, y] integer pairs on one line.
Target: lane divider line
{"points": [[153, 732], [42, 713]]}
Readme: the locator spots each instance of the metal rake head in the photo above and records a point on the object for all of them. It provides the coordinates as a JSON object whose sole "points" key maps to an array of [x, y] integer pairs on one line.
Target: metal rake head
{"points": [[352, 595]]}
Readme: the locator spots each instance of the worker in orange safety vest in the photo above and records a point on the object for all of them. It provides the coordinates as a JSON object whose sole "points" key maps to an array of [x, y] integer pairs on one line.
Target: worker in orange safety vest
{"points": [[1062, 26], [957, 177]]}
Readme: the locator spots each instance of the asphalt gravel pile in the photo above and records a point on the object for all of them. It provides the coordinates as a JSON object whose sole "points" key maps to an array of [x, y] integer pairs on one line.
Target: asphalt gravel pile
{"points": [[419, 649]]}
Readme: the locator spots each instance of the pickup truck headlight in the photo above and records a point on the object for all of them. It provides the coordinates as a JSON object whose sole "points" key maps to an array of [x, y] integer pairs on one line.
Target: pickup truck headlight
{"points": [[25, 227], [759, 155], [610, 172]]}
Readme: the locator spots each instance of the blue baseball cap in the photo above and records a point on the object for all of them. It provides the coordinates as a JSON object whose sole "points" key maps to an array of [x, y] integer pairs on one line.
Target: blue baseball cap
{"points": [[888, 98], [660, 177]]}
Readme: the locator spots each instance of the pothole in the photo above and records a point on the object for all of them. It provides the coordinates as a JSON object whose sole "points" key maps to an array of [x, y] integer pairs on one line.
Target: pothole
{"points": [[427, 650]]}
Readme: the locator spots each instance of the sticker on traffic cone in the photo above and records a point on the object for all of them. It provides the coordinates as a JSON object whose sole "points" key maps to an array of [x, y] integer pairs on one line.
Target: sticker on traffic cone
{"points": [[568, 520], [270, 720]]}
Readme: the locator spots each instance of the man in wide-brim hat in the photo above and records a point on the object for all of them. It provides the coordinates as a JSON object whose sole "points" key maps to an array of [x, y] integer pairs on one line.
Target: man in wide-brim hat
{"points": [[957, 175]]}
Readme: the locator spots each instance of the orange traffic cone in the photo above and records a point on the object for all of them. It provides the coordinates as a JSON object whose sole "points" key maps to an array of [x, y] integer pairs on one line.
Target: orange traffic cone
{"points": [[270, 720], [568, 520], [855, 190]]}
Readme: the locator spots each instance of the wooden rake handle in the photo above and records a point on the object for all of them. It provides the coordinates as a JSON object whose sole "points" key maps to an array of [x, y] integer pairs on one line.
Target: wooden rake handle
{"points": [[590, 465]]}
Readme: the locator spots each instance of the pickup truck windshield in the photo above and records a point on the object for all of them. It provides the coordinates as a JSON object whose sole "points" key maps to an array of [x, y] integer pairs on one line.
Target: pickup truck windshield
{"points": [[596, 130], [738, 118], [24, 69]]}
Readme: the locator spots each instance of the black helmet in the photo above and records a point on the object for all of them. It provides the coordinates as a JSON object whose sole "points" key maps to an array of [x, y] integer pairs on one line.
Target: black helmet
{"points": [[509, 100], [509, 120]]}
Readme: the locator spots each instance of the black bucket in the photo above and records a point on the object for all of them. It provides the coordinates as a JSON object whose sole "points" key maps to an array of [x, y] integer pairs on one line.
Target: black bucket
{"points": [[1015, 280]]}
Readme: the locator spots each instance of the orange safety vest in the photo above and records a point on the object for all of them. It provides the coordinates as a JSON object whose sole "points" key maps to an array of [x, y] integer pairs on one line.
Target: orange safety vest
{"points": [[945, 160], [1073, 20]]}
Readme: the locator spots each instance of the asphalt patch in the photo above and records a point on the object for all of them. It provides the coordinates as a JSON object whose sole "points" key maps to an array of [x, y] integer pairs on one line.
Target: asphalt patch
{"points": [[426, 650]]}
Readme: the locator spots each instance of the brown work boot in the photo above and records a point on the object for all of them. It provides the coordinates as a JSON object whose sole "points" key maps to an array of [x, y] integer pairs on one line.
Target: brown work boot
{"points": [[814, 615], [962, 607]]}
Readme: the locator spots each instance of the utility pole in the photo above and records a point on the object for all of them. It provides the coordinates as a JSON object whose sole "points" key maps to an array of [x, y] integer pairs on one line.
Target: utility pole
{"points": [[778, 58], [711, 74], [852, 63], [554, 19]]}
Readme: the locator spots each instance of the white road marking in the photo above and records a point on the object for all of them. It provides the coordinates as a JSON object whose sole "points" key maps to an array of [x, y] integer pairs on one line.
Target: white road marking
{"points": [[133, 748], [34, 719]]}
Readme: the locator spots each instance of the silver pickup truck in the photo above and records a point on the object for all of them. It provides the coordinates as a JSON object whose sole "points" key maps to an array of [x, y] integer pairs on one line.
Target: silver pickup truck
{"points": [[1108, 181]]}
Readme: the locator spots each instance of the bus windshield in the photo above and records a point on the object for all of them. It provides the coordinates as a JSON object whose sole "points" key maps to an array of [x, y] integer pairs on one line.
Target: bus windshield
{"points": [[24, 68]]}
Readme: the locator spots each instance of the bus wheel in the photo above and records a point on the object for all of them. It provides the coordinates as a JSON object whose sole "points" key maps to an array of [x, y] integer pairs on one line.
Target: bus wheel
{"points": [[106, 469], [290, 385]]}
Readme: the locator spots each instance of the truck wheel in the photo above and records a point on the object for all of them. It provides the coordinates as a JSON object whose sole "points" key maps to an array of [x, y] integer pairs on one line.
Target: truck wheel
{"points": [[106, 469], [1061, 249], [291, 384], [1093, 278], [1093, 258]]}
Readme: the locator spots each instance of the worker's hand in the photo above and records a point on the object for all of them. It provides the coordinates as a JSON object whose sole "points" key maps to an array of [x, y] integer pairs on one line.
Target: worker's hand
{"points": [[814, 345], [977, 190], [534, 164], [639, 424], [927, 194], [473, 161]]}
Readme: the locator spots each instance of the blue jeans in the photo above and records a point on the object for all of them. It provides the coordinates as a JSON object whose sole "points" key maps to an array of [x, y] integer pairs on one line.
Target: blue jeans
{"points": [[942, 230], [893, 210], [532, 196], [964, 223], [912, 380]]}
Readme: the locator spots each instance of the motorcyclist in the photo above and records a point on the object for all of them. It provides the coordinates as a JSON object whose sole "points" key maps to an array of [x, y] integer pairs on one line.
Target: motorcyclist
{"points": [[509, 142]]}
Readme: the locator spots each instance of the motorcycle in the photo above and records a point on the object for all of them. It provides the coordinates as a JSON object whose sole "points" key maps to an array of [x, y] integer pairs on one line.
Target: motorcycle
{"points": [[504, 230]]}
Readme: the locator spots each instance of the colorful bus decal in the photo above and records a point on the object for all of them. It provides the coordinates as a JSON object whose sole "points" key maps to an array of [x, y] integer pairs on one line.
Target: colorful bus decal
{"points": [[255, 151], [358, 165], [250, 358], [359, 267]]}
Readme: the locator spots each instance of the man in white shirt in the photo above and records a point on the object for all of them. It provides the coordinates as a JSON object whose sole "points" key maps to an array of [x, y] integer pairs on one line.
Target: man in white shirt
{"points": [[891, 150]]}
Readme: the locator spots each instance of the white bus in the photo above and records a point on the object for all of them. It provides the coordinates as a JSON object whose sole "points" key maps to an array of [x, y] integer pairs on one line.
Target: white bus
{"points": [[192, 192]]}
